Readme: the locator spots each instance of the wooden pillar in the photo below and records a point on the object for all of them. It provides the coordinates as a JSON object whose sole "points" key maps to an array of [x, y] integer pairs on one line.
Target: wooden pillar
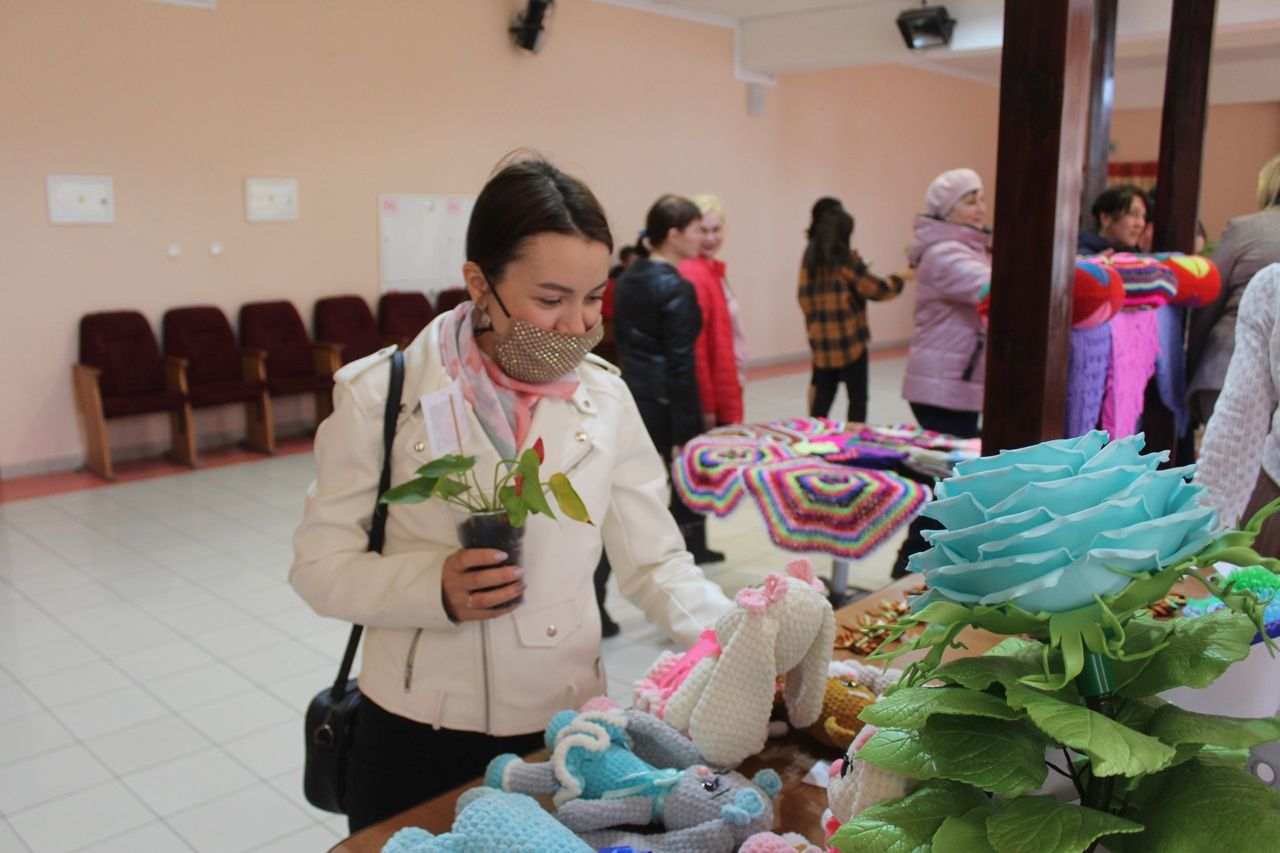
{"points": [[1102, 73], [1186, 99], [1044, 76]]}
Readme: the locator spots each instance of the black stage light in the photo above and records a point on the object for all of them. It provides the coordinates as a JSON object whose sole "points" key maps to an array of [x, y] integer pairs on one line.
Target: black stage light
{"points": [[528, 29], [928, 26]]}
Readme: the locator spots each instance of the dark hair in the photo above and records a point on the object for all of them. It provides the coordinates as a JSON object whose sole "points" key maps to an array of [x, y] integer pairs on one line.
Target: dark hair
{"points": [[670, 211], [820, 207], [829, 242], [1115, 201], [525, 198], [626, 252]]}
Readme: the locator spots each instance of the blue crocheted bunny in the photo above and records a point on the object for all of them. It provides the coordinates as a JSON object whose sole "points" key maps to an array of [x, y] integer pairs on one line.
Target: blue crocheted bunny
{"points": [[598, 781], [490, 821]]}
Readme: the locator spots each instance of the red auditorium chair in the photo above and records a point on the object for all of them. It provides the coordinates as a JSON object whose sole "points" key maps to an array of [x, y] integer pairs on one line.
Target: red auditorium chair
{"points": [[219, 372], [447, 300], [403, 314], [294, 364], [121, 373], [347, 320]]}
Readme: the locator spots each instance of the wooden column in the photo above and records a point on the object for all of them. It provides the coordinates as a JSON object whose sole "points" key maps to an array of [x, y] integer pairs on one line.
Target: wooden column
{"points": [[1102, 73], [1044, 76], [1186, 98]]}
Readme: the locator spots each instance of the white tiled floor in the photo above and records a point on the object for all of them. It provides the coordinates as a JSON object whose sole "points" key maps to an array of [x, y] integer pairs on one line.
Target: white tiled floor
{"points": [[154, 663]]}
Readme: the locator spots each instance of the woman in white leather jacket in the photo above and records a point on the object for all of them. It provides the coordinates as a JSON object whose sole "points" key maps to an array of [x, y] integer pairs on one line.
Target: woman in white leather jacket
{"points": [[457, 667]]}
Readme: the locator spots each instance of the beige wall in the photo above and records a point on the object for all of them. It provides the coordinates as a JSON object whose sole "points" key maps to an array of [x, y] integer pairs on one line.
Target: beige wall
{"points": [[360, 97], [1238, 139]]}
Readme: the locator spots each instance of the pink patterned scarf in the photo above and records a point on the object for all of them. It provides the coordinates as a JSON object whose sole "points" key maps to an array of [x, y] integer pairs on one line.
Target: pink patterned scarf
{"points": [[504, 406]]}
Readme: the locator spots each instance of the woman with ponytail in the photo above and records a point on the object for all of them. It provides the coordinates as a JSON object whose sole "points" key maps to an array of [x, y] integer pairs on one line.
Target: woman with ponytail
{"points": [[657, 322]]}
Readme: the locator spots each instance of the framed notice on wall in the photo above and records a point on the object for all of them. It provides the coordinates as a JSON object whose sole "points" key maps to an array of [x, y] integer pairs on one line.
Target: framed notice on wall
{"points": [[423, 240]]}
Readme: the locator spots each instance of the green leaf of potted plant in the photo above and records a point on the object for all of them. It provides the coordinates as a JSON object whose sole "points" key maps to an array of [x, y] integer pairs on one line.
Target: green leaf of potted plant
{"points": [[497, 515]]}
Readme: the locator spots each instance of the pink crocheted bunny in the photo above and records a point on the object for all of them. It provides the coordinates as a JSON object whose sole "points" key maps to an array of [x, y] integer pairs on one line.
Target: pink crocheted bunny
{"points": [[724, 700]]}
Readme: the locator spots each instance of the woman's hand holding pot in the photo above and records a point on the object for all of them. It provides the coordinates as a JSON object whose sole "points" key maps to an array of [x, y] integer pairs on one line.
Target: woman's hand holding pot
{"points": [[475, 585]]}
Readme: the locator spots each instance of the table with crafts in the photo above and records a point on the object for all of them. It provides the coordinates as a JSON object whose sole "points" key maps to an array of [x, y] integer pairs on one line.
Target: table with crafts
{"points": [[821, 486], [798, 807]]}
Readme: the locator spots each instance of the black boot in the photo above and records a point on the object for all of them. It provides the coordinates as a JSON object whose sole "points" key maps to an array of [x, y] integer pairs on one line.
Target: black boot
{"points": [[695, 539]]}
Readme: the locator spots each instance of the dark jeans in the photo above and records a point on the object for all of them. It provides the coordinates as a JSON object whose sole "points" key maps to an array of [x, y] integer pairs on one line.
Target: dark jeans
{"points": [[657, 420], [395, 763], [938, 419], [825, 381]]}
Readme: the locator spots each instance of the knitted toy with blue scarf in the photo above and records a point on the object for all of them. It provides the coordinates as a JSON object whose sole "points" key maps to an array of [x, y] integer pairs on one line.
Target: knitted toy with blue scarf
{"points": [[597, 781], [490, 821]]}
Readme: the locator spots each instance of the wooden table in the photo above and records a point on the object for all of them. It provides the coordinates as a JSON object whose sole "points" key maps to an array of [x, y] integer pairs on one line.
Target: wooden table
{"points": [[798, 807]]}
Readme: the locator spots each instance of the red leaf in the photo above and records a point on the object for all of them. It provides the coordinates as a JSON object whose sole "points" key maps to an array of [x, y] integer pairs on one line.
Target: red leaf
{"points": [[537, 448], [519, 485]]}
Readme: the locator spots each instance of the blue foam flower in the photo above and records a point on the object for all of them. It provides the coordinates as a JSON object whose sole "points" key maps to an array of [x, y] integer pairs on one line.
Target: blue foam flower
{"points": [[1047, 528]]}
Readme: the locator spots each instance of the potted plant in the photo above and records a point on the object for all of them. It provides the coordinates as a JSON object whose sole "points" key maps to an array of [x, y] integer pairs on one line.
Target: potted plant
{"points": [[496, 515], [1063, 546]]}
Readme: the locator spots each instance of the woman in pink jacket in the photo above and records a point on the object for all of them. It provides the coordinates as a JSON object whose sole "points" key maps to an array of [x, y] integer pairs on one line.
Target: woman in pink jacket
{"points": [[946, 365], [945, 368]]}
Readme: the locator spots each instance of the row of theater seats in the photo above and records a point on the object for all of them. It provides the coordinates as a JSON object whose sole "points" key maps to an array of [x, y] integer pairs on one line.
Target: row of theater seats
{"points": [[121, 371]]}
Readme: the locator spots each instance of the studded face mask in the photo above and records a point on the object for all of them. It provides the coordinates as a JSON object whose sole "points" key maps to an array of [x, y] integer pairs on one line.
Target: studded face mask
{"points": [[537, 356]]}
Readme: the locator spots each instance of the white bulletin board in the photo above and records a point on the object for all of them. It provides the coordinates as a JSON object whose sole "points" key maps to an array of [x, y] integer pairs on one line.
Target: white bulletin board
{"points": [[423, 240]]}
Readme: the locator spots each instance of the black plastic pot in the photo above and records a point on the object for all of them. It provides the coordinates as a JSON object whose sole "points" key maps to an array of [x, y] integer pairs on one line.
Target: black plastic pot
{"points": [[493, 530]]}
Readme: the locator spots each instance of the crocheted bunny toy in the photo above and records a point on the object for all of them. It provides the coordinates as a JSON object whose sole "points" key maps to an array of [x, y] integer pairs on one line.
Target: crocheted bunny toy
{"points": [[597, 781], [490, 821], [784, 628]]}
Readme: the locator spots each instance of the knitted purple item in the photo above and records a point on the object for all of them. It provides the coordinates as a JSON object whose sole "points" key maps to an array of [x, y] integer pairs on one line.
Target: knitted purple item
{"points": [[1135, 342], [1087, 378], [1171, 366]]}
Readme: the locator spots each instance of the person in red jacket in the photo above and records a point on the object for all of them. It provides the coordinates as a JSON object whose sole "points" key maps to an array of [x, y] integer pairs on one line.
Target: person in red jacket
{"points": [[719, 353]]}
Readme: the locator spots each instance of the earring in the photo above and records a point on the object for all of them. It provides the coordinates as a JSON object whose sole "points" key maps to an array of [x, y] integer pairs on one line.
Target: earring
{"points": [[485, 322]]}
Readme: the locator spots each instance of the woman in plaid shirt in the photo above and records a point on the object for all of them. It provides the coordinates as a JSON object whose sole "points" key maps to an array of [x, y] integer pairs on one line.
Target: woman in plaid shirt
{"points": [[834, 288]]}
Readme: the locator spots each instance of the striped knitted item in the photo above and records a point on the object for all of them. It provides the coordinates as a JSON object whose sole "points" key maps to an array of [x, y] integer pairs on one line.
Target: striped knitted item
{"points": [[1147, 282], [1199, 280], [812, 505], [707, 475]]}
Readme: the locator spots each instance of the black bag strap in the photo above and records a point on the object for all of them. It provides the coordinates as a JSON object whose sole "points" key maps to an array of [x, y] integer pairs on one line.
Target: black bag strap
{"points": [[378, 528]]}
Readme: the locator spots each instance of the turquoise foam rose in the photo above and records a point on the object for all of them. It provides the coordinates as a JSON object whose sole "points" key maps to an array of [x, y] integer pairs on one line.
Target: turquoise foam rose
{"points": [[1047, 528]]}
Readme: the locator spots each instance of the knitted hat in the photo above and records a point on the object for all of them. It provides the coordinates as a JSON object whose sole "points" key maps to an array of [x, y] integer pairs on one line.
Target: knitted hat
{"points": [[948, 188], [1099, 293], [1198, 278]]}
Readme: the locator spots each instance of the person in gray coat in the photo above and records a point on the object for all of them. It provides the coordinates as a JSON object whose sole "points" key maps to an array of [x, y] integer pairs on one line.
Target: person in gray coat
{"points": [[1250, 243]]}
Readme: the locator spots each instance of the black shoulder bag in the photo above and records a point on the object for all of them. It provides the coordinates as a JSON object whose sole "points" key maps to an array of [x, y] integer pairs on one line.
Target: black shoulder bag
{"points": [[331, 716]]}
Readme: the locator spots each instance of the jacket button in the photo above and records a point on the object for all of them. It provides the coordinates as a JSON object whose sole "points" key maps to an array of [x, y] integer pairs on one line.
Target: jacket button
{"points": [[551, 630], [419, 447], [580, 437]]}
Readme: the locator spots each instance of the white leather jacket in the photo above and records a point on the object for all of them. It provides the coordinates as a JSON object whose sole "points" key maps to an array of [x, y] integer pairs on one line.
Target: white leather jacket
{"points": [[508, 675]]}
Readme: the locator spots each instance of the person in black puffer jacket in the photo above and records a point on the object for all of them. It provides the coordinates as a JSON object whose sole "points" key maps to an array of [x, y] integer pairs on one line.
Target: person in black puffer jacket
{"points": [[657, 321]]}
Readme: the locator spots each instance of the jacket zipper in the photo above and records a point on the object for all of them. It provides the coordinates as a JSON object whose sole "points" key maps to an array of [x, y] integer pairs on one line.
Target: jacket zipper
{"points": [[408, 663], [484, 658], [582, 457]]}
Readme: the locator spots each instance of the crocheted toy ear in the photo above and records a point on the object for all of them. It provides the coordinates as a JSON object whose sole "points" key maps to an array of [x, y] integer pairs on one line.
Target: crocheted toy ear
{"points": [[731, 719], [769, 781], [805, 686], [747, 804]]}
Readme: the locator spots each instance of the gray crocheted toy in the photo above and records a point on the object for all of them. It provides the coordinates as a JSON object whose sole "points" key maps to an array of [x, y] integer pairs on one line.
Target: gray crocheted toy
{"points": [[598, 781]]}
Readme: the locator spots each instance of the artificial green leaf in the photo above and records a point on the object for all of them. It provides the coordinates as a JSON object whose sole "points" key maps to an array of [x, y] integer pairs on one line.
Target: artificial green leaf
{"points": [[516, 508], [966, 832], [1136, 713], [1175, 726], [1114, 749], [1233, 758], [1198, 651], [532, 491], [567, 499], [1202, 805], [978, 673], [414, 491], [910, 707], [445, 465], [1044, 825], [1002, 756], [906, 825]]}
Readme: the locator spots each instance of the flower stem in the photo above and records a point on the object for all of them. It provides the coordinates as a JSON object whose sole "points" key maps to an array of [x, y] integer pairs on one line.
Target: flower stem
{"points": [[1096, 683]]}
